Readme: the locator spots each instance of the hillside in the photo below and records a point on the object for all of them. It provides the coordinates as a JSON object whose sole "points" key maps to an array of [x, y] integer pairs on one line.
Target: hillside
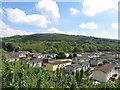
{"points": [[60, 37]]}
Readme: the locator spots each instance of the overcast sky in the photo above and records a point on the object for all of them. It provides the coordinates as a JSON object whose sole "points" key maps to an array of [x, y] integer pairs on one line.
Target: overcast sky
{"points": [[97, 18]]}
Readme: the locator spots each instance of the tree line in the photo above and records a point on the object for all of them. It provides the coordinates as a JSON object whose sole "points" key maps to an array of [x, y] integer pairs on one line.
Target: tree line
{"points": [[57, 47]]}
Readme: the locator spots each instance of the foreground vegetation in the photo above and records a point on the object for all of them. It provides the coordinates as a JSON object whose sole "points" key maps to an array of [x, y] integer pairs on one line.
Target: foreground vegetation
{"points": [[19, 75]]}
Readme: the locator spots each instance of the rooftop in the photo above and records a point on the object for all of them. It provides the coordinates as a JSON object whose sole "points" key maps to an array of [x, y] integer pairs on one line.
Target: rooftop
{"points": [[14, 56], [105, 68], [59, 62], [37, 54]]}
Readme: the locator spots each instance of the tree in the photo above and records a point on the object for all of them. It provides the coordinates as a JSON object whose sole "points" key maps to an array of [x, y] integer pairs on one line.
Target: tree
{"points": [[117, 82], [33, 51], [81, 74], [70, 56], [100, 64], [105, 61], [73, 83], [74, 54], [76, 49], [9, 47], [61, 55], [86, 47]]}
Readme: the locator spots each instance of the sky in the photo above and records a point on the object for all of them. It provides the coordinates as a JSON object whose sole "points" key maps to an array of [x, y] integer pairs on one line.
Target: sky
{"points": [[98, 18]]}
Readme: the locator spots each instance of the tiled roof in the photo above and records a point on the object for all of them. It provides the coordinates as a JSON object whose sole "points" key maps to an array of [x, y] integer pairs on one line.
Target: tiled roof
{"points": [[59, 62], [14, 56], [78, 53], [105, 68], [37, 54]]}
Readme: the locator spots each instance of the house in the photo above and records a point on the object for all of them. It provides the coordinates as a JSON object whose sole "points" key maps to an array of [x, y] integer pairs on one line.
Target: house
{"points": [[34, 62], [79, 54], [115, 63], [13, 58], [77, 67], [95, 61], [81, 59], [37, 55], [49, 55], [70, 69], [19, 54], [111, 54], [52, 66], [68, 53], [95, 54], [25, 52], [85, 65], [103, 73]]}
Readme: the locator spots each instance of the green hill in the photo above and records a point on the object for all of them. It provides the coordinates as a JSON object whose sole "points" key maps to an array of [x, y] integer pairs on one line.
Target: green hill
{"points": [[60, 37]]}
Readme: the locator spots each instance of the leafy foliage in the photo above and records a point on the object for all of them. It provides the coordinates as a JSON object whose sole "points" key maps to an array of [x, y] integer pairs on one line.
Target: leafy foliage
{"points": [[20, 75], [56, 43], [60, 37]]}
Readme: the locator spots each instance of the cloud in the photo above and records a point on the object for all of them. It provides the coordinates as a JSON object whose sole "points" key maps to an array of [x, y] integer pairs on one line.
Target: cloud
{"points": [[48, 8], [93, 7], [6, 31], [18, 16], [90, 25], [104, 34], [55, 30], [74, 11], [1, 11], [107, 34], [115, 26]]}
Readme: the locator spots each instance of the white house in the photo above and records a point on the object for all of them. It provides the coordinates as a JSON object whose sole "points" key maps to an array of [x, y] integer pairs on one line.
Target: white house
{"points": [[34, 62], [77, 67], [24, 52], [37, 55], [85, 65], [115, 62], [68, 53], [70, 69], [19, 54], [13, 58], [103, 73], [81, 59], [79, 54], [49, 55], [95, 61]]}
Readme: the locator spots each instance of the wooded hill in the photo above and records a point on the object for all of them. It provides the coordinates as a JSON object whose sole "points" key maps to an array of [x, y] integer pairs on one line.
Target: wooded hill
{"points": [[61, 37], [56, 43]]}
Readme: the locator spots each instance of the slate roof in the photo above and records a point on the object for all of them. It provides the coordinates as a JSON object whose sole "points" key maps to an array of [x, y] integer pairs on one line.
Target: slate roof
{"points": [[75, 66], [83, 57], [14, 53]]}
